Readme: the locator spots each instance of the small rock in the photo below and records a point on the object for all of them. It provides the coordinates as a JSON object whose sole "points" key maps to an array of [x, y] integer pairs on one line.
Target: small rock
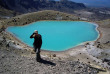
{"points": [[54, 55]]}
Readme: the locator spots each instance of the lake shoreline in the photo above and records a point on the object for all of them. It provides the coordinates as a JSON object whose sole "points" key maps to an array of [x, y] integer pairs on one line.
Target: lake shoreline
{"points": [[65, 49], [60, 54]]}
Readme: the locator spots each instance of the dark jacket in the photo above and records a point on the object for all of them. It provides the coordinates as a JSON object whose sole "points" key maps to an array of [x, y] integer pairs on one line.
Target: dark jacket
{"points": [[37, 40]]}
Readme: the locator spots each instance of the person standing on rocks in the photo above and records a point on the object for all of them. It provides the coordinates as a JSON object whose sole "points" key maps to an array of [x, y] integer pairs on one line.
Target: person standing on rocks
{"points": [[37, 44]]}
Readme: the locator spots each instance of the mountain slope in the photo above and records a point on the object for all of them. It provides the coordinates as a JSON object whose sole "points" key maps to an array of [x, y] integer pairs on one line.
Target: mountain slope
{"points": [[35, 5]]}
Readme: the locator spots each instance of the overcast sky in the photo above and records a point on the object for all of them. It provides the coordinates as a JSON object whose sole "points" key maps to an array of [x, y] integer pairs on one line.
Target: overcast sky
{"points": [[97, 3]]}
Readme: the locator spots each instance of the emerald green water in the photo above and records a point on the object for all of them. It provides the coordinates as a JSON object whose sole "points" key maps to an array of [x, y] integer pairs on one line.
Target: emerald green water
{"points": [[57, 35]]}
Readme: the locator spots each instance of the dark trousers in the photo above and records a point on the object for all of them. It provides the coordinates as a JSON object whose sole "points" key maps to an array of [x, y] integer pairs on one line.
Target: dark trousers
{"points": [[37, 50]]}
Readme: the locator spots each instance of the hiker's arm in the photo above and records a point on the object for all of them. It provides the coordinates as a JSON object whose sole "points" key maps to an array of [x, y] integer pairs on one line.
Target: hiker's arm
{"points": [[32, 36]]}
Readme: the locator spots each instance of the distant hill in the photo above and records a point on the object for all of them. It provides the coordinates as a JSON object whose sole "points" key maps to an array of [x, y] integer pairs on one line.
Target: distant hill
{"points": [[95, 3], [24, 6]]}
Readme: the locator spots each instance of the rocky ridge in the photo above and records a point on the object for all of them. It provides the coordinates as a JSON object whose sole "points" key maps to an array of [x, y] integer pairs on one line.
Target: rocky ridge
{"points": [[24, 6]]}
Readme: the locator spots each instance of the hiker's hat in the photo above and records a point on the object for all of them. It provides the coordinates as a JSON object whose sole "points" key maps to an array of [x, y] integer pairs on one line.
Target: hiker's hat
{"points": [[35, 31]]}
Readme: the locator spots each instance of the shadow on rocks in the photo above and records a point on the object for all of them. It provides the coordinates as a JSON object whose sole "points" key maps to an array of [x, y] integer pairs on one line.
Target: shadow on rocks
{"points": [[46, 62]]}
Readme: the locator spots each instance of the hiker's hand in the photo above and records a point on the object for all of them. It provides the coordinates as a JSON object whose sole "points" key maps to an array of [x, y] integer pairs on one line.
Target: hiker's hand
{"points": [[33, 35]]}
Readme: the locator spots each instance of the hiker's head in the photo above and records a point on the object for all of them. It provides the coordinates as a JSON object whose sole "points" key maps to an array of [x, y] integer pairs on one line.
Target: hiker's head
{"points": [[35, 32]]}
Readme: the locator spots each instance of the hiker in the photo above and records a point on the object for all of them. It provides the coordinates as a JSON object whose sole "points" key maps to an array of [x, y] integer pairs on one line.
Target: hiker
{"points": [[37, 44]]}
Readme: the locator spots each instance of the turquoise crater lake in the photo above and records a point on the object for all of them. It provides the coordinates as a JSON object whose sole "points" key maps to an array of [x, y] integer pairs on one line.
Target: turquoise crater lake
{"points": [[57, 35]]}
